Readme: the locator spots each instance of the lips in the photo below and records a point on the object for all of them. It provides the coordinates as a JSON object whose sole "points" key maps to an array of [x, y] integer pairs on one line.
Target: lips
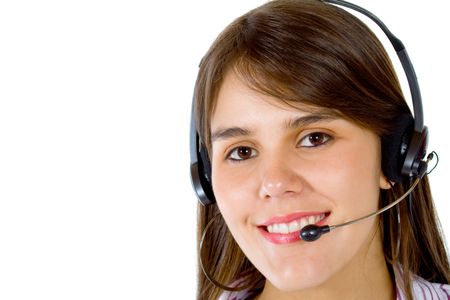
{"points": [[285, 229]]}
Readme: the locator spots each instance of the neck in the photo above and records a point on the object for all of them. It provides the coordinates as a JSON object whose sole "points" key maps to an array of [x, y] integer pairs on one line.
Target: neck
{"points": [[365, 277]]}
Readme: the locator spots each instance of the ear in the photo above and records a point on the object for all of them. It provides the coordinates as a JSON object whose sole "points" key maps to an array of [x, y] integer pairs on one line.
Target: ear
{"points": [[384, 182]]}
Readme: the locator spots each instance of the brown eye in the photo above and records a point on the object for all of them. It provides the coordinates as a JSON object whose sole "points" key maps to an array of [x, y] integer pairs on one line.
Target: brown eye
{"points": [[241, 153], [315, 139]]}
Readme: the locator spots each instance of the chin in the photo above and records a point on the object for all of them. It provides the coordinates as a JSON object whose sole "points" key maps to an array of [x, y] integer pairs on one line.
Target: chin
{"points": [[296, 284], [296, 279]]}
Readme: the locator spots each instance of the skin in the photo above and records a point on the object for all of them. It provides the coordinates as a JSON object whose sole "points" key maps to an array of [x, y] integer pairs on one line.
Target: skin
{"points": [[263, 168]]}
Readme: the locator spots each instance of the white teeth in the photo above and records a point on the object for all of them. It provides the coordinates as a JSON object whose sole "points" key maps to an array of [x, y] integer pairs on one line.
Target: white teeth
{"points": [[303, 222], [284, 228], [295, 225]]}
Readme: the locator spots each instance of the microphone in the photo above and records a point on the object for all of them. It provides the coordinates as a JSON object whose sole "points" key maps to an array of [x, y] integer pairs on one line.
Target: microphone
{"points": [[312, 232]]}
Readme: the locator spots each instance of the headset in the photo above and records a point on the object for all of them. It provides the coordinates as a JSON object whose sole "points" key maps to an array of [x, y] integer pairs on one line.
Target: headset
{"points": [[403, 151]]}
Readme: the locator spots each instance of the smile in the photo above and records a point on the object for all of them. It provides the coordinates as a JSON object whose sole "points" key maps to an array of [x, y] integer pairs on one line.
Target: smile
{"points": [[286, 229], [295, 225]]}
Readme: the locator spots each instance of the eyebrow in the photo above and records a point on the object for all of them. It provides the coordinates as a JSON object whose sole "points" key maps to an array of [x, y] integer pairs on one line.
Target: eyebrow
{"points": [[311, 119], [302, 121], [230, 133]]}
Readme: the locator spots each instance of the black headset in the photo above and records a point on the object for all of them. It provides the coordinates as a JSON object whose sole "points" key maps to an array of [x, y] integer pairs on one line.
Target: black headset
{"points": [[403, 150]]}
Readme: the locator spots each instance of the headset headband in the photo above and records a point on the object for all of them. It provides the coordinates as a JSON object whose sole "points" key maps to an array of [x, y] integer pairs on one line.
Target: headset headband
{"points": [[402, 55]]}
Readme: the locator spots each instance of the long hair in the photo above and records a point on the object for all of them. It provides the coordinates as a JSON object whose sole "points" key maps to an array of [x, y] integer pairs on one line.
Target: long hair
{"points": [[320, 55]]}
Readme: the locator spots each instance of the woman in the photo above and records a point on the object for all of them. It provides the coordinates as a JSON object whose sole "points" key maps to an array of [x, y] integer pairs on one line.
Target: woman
{"points": [[297, 105]]}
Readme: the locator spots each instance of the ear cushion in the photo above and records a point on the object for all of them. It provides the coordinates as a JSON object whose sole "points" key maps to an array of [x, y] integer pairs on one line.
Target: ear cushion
{"points": [[204, 173], [395, 146], [204, 158]]}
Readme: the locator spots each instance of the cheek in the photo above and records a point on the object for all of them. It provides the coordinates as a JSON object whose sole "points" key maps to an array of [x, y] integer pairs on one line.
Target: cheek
{"points": [[353, 177], [232, 191], [237, 204]]}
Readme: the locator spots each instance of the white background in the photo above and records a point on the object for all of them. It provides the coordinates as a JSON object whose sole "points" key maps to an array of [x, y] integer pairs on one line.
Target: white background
{"points": [[95, 195]]}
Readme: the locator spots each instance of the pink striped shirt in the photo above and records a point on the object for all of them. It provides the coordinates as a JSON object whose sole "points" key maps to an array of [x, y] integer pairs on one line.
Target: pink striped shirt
{"points": [[422, 290]]}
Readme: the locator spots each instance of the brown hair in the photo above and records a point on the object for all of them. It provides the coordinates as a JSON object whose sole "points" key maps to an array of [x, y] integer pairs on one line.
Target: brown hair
{"points": [[322, 56]]}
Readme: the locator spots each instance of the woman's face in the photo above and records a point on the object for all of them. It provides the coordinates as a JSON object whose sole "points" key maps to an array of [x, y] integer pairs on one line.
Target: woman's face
{"points": [[276, 168]]}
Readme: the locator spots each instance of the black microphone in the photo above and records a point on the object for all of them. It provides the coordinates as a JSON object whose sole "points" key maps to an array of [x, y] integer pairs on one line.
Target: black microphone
{"points": [[312, 232]]}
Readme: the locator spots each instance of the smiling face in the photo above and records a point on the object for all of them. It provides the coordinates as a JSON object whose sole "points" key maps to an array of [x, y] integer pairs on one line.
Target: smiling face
{"points": [[276, 168]]}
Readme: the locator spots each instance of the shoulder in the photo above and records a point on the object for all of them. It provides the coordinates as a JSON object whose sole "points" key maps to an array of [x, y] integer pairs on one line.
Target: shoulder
{"points": [[423, 289], [240, 295]]}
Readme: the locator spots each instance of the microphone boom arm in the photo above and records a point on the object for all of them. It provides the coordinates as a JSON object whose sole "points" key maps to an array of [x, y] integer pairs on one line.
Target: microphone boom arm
{"points": [[381, 210]]}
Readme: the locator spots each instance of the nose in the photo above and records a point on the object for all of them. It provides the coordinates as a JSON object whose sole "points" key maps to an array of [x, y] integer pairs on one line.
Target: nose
{"points": [[280, 178]]}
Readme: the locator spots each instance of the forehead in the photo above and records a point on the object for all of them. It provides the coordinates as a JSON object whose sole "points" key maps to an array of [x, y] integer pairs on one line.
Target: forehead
{"points": [[236, 101]]}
